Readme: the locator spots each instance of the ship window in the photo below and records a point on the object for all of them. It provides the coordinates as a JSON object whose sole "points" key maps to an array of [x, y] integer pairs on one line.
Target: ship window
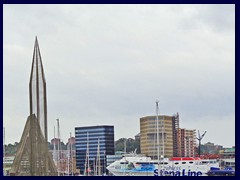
{"points": [[176, 163], [165, 163], [123, 162], [190, 162], [183, 162]]}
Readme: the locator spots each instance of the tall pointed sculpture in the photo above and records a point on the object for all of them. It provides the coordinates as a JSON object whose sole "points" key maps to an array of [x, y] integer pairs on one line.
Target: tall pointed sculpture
{"points": [[37, 90], [32, 157]]}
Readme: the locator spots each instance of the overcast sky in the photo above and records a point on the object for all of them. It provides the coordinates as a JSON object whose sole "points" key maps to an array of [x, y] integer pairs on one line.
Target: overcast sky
{"points": [[107, 65]]}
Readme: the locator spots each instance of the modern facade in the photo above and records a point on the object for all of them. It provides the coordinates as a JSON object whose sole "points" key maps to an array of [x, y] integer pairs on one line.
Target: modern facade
{"points": [[186, 142], [148, 135], [87, 141]]}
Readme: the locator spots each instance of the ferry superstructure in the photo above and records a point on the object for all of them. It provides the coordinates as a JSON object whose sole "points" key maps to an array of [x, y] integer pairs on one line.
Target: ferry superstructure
{"points": [[145, 166]]}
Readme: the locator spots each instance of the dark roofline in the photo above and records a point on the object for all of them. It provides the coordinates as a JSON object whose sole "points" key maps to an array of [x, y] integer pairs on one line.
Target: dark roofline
{"points": [[93, 127]]}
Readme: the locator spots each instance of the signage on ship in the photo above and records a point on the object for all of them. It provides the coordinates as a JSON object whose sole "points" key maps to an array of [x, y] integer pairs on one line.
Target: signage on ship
{"points": [[182, 172]]}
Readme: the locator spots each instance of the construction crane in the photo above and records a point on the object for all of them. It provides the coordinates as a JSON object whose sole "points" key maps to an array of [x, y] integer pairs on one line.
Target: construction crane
{"points": [[199, 140]]}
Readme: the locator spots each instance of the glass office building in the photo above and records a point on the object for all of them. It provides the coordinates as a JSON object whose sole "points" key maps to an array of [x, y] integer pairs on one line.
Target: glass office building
{"points": [[91, 137]]}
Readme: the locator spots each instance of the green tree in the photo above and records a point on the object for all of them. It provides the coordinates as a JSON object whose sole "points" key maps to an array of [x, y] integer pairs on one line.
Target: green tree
{"points": [[131, 145]]}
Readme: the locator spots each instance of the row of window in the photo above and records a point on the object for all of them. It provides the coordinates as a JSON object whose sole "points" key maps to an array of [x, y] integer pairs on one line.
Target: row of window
{"points": [[84, 143], [83, 155], [102, 150], [94, 130], [90, 149], [91, 138], [95, 138], [85, 134], [83, 152], [106, 140]]}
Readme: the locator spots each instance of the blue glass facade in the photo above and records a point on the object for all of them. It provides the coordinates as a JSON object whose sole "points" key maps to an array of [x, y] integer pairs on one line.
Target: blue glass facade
{"points": [[91, 134]]}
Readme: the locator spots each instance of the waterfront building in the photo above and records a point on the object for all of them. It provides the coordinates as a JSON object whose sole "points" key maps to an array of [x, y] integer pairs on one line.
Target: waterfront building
{"points": [[55, 141], [71, 141], [92, 137], [186, 142], [168, 126], [228, 153]]}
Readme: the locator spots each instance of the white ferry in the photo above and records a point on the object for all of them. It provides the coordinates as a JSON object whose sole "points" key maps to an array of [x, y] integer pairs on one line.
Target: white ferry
{"points": [[145, 166]]}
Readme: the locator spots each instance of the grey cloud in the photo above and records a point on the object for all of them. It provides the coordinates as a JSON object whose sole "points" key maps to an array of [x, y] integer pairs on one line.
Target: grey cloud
{"points": [[107, 64], [215, 17]]}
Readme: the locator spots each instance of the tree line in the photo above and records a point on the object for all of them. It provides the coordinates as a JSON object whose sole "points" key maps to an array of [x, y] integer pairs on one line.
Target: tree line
{"points": [[131, 145]]}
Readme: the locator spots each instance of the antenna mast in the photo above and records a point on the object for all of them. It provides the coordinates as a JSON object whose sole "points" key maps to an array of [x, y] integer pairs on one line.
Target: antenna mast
{"points": [[4, 151], [157, 135], [59, 148], [54, 147], [71, 152], [98, 158]]}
